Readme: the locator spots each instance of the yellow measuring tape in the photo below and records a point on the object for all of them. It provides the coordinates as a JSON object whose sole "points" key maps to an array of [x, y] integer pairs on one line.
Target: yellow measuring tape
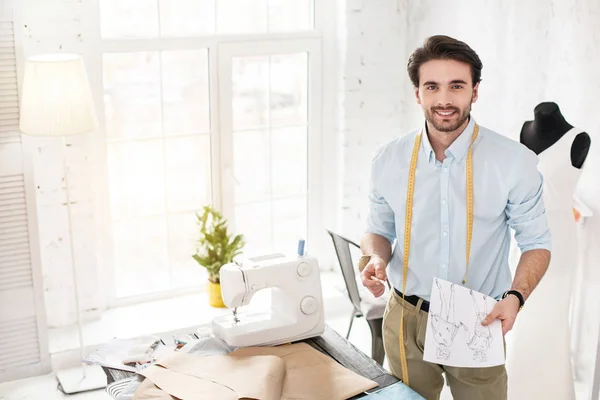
{"points": [[407, 230]]}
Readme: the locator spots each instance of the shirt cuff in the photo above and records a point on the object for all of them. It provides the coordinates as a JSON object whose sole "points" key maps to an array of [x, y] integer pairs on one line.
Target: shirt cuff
{"points": [[536, 246], [389, 237]]}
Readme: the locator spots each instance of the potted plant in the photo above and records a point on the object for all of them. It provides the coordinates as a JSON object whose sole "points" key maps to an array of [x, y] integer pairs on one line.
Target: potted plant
{"points": [[216, 247]]}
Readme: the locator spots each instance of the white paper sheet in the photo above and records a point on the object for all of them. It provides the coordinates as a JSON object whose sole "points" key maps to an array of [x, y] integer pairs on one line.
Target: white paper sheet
{"points": [[454, 335]]}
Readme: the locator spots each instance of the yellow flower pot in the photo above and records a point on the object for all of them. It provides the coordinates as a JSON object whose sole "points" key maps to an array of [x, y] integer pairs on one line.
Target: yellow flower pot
{"points": [[214, 295]]}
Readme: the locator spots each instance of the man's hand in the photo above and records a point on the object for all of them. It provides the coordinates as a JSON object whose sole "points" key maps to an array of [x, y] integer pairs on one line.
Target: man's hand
{"points": [[373, 276], [506, 311]]}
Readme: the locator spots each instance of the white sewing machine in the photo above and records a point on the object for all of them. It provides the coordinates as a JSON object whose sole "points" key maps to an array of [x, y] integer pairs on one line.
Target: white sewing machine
{"points": [[295, 311]]}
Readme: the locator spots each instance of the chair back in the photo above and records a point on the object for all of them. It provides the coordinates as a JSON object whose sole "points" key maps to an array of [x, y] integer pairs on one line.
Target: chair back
{"points": [[342, 249]]}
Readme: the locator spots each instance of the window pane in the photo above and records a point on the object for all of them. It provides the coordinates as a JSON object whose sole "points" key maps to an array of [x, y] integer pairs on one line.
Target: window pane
{"points": [[185, 92], [289, 165], [251, 166], [254, 222], [289, 223], [120, 19], [242, 16], [187, 17], [290, 15], [289, 89], [188, 172], [132, 95], [183, 236], [250, 85], [140, 256], [136, 179]]}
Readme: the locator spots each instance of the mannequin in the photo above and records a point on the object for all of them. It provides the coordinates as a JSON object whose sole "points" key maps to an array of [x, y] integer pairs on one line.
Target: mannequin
{"points": [[548, 127], [587, 315], [538, 357]]}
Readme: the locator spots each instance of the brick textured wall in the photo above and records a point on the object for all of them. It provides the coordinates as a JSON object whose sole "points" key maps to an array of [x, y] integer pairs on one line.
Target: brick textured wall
{"points": [[531, 51], [55, 27]]}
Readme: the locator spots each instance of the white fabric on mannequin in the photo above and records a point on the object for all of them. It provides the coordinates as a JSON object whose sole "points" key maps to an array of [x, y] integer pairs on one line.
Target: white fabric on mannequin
{"points": [[538, 359], [586, 311]]}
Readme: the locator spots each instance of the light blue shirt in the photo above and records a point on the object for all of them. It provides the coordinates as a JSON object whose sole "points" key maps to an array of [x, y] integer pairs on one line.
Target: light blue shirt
{"points": [[507, 193]]}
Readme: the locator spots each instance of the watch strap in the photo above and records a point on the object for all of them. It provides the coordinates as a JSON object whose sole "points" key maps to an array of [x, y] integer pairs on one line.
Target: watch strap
{"points": [[518, 295]]}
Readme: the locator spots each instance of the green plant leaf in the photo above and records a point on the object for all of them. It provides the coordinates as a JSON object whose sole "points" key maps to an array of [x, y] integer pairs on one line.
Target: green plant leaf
{"points": [[216, 246]]}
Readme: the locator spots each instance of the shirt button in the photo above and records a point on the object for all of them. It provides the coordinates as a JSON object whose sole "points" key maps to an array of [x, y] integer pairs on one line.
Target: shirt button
{"points": [[445, 233], [443, 265], [444, 201], [445, 169]]}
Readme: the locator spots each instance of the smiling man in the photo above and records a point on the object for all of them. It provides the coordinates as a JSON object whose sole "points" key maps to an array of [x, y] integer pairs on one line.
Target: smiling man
{"points": [[447, 195]]}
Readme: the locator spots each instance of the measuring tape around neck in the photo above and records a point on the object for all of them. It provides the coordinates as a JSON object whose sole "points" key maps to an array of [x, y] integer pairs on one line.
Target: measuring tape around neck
{"points": [[407, 230]]}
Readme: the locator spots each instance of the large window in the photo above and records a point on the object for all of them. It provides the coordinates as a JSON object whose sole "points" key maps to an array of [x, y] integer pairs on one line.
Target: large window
{"points": [[124, 19], [159, 164], [206, 102], [267, 130]]}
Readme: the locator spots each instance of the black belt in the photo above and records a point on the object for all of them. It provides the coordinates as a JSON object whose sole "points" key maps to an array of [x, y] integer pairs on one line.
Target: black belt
{"points": [[414, 301]]}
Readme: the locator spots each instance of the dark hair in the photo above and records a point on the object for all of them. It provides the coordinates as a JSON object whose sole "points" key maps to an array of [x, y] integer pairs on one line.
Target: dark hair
{"points": [[442, 47]]}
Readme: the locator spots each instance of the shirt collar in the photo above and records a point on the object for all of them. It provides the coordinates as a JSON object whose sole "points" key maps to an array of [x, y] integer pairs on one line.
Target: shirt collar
{"points": [[426, 144], [458, 149]]}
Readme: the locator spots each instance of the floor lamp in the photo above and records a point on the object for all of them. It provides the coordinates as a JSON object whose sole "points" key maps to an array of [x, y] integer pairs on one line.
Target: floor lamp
{"points": [[56, 100]]}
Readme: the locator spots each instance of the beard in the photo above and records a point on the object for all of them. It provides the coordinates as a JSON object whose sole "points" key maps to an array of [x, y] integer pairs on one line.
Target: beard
{"points": [[451, 123]]}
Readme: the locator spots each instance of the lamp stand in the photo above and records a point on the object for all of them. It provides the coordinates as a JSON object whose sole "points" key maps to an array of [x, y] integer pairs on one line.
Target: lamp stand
{"points": [[85, 377]]}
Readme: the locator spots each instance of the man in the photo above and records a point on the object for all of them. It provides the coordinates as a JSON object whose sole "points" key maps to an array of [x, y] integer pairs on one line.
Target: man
{"points": [[469, 185]]}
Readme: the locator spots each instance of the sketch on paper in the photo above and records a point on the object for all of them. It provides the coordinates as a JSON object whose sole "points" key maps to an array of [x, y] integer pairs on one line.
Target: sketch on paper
{"points": [[481, 339], [454, 334], [442, 323]]}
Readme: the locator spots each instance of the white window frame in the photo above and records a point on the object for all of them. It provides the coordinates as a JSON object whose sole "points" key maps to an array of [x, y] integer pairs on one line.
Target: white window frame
{"points": [[312, 47], [323, 35]]}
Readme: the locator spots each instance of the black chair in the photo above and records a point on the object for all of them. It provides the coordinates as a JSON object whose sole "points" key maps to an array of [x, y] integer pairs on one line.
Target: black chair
{"points": [[364, 306]]}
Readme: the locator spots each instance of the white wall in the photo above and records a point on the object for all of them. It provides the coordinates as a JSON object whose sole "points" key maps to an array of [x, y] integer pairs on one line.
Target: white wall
{"points": [[532, 51], [44, 26]]}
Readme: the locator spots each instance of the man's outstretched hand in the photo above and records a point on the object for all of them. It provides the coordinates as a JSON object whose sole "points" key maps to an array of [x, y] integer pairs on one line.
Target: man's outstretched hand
{"points": [[506, 311], [373, 276]]}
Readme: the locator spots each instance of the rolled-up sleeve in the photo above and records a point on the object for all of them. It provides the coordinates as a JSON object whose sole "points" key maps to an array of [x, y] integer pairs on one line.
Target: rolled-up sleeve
{"points": [[380, 216], [525, 209]]}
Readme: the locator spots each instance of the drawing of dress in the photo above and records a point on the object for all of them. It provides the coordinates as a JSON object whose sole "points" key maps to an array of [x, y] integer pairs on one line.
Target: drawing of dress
{"points": [[481, 340], [538, 358], [442, 324]]}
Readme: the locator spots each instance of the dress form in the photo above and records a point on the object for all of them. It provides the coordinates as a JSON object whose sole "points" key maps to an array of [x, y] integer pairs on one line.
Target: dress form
{"points": [[538, 348], [548, 127], [586, 310]]}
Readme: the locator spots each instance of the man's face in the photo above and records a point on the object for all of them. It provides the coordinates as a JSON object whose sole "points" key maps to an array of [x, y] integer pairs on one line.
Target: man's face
{"points": [[446, 93]]}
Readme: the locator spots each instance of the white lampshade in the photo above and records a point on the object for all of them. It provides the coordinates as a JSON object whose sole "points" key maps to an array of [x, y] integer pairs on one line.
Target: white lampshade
{"points": [[56, 98]]}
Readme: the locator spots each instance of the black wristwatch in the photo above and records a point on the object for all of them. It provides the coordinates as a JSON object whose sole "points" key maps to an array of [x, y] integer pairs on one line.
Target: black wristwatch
{"points": [[519, 296]]}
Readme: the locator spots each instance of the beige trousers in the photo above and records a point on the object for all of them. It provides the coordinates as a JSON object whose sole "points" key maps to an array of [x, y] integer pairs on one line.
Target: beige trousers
{"points": [[426, 378]]}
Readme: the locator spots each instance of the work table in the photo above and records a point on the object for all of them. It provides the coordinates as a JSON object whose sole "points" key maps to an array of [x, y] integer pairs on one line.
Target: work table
{"points": [[332, 344]]}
